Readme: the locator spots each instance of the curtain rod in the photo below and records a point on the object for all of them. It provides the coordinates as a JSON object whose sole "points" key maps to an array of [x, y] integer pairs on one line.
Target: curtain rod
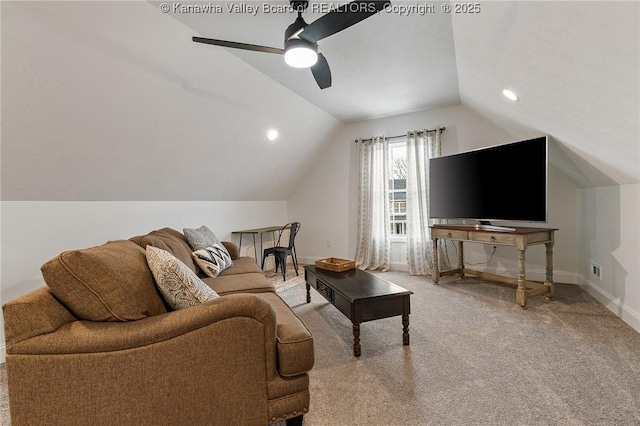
{"points": [[442, 129]]}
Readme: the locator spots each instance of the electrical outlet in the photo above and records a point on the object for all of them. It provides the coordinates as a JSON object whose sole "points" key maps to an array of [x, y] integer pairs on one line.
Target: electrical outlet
{"points": [[596, 270], [329, 243]]}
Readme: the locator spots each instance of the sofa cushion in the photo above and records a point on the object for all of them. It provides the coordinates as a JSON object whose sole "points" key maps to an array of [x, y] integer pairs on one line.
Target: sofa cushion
{"points": [[293, 339], [170, 240], [242, 265], [111, 282], [212, 260], [179, 285], [241, 283]]}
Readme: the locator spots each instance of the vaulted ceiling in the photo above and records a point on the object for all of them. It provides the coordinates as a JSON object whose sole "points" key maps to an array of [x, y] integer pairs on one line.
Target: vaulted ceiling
{"points": [[576, 68], [112, 100], [398, 61], [574, 65]]}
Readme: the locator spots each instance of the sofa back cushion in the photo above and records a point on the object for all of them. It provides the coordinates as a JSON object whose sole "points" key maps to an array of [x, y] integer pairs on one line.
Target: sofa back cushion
{"points": [[111, 282], [169, 240]]}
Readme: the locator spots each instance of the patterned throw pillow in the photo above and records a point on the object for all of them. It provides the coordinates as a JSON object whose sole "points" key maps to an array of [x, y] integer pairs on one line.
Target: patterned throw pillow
{"points": [[213, 260], [200, 238], [179, 285]]}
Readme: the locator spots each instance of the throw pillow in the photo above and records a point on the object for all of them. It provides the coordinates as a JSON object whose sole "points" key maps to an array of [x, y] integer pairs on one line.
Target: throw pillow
{"points": [[213, 260], [200, 238], [203, 238], [178, 284]]}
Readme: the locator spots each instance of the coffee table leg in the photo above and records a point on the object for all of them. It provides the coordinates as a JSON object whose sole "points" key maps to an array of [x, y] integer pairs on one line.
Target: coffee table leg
{"points": [[405, 330], [356, 339], [308, 293]]}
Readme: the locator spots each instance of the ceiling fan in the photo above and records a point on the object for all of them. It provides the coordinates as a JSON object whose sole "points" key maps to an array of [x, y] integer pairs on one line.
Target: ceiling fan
{"points": [[301, 39]]}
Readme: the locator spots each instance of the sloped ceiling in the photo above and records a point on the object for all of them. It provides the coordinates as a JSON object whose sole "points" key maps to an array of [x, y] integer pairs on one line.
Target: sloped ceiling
{"points": [[575, 66], [576, 69], [112, 101]]}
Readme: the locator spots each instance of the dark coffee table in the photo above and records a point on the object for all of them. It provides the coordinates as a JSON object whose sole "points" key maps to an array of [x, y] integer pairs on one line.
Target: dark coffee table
{"points": [[361, 297]]}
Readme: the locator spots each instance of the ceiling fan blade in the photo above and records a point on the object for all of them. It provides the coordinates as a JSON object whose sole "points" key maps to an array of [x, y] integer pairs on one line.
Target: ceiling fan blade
{"points": [[321, 72], [236, 45], [341, 18]]}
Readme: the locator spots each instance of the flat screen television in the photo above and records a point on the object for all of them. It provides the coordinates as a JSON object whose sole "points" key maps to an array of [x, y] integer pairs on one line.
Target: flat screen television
{"points": [[504, 182]]}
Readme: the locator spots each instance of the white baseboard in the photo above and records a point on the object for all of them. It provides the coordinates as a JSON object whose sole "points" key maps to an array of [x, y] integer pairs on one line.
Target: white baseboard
{"points": [[533, 274], [558, 276], [616, 306], [399, 267], [308, 260]]}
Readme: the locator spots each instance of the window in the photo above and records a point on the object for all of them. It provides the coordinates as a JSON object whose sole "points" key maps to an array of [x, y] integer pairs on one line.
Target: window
{"points": [[398, 187]]}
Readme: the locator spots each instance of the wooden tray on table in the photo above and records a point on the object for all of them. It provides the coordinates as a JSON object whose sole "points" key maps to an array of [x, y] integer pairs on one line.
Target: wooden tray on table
{"points": [[336, 264]]}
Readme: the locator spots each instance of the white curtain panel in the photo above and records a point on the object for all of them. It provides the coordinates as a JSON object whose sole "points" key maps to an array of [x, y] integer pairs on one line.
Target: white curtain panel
{"points": [[420, 147], [374, 239]]}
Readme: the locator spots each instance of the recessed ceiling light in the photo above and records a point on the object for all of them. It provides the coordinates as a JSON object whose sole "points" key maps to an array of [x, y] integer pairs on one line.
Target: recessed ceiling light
{"points": [[272, 135], [510, 95]]}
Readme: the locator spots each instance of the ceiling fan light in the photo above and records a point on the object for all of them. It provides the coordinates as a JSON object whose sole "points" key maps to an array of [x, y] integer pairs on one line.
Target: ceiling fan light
{"points": [[300, 54]]}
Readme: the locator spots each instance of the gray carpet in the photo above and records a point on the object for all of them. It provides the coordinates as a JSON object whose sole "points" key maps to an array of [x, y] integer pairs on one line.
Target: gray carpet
{"points": [[474, 359]]}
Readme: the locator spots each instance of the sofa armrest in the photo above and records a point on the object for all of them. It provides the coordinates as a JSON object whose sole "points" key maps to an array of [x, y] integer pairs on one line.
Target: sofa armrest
{"points": [[295, 342], [232, 248]]}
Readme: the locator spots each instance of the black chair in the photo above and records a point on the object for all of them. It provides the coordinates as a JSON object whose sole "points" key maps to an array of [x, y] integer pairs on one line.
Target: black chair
{"points": [[281, 253]]}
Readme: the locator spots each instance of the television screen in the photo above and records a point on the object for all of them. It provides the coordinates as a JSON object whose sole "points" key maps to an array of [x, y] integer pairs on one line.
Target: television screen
{"points": [[504, 182]]}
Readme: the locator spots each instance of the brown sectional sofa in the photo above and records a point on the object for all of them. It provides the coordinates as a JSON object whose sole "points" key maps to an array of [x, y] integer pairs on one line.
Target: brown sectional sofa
{"points": [[96, 346]]}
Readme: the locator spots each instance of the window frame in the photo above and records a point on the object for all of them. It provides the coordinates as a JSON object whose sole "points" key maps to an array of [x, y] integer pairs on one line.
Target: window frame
{"points": [[401, 142]]}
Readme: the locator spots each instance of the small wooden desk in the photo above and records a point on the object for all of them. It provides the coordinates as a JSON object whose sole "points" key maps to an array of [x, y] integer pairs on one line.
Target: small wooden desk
{"points": [[254, 232], [520, 238]]}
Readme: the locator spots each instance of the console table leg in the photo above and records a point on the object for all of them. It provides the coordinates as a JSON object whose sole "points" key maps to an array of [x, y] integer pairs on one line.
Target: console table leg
{"points": [[356, 340], [549, 277], [521, 292], [405, 330], [435, 273], [460, 259]]}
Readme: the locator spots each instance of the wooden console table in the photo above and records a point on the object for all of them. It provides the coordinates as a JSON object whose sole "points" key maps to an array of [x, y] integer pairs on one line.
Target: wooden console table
{"points": [[519, 237]]}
